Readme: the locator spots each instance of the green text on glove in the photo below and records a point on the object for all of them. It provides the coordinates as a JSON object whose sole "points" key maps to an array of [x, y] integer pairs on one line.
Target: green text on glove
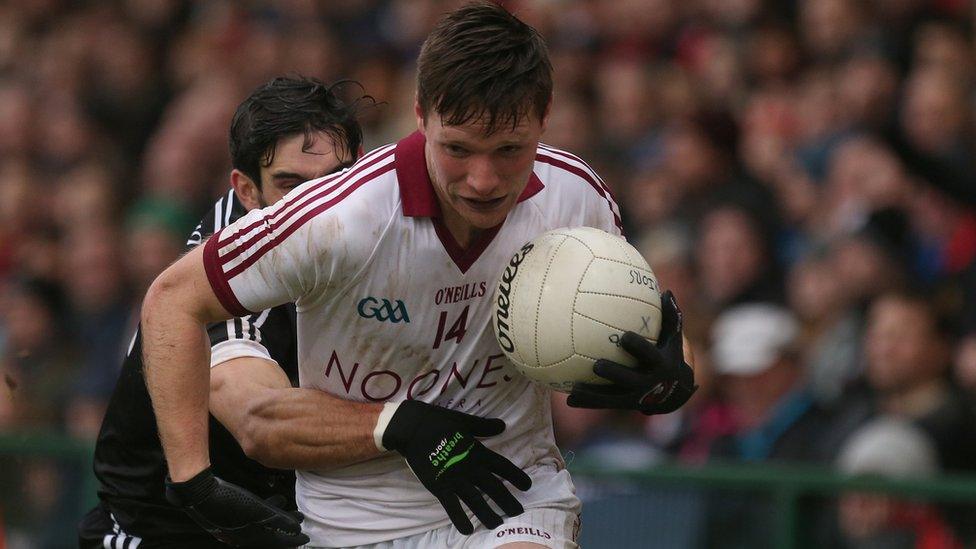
{"points": [[442, 454]]}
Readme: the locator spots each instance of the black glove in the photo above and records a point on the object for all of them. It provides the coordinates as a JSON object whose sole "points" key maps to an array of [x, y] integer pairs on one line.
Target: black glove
{"points": [[233, 515], [662, 381], [441, 449]]}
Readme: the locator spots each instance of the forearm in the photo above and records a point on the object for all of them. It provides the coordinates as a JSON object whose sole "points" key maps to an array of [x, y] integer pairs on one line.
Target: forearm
{"points": [[175, 358], [309, 429]]}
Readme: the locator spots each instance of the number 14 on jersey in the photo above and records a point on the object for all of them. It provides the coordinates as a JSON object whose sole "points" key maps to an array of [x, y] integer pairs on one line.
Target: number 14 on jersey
{"points": [[456, 331]]}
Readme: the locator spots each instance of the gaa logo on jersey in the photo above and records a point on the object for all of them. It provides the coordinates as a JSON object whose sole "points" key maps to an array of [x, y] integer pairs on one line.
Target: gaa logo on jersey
{"points": [[383, 310]]}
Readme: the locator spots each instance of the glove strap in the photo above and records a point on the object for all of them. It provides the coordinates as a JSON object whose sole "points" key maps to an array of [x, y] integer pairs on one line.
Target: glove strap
{"points": [[382, 423], [190, 492]]}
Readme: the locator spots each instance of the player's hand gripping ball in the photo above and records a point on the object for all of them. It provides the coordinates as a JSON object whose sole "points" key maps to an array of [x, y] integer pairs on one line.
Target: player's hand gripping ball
{"points": [[575, 306], [662, 381]]}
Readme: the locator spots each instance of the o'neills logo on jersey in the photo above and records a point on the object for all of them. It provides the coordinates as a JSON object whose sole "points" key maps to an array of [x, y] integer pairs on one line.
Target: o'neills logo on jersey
{"points": [[504, 289], [455, 294], [383, 310]]}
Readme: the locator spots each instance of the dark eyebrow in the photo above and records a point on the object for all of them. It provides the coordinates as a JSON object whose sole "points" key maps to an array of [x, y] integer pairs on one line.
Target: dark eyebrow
{"points": [[292, 175], [289, 175]]}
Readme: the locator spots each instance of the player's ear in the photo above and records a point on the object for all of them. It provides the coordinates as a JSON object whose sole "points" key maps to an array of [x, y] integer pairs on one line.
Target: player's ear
{"points": [[419, 113], [246, 190]]}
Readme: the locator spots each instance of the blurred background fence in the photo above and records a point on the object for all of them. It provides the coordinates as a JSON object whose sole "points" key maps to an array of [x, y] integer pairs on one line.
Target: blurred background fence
{"points": [[757, 505], [664, 506]]}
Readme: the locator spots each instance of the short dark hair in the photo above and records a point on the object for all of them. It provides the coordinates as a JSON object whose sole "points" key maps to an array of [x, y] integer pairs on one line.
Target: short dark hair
{"points": [[480, 61], [287, 106]]}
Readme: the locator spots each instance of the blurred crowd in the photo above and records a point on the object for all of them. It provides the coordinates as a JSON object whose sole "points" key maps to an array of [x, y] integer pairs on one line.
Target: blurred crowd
{"points": [[799, 172]]}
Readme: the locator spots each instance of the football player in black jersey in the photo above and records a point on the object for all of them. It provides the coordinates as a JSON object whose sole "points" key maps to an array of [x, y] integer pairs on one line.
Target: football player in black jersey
{"points": [[286, 132]]}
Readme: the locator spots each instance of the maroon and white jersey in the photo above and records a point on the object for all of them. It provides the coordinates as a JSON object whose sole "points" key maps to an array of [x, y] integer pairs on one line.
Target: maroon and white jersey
{"points": [[391, 308]]}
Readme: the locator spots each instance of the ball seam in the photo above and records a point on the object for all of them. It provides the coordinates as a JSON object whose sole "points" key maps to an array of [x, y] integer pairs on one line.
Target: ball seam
{"points": [[538, 304]]}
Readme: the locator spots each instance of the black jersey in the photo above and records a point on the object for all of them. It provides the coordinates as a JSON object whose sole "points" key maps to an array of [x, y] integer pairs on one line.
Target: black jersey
{"points": [[129, 461]]}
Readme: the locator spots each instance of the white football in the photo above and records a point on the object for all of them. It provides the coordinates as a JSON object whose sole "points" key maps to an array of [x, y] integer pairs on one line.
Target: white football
{"points": [[565, 298]]}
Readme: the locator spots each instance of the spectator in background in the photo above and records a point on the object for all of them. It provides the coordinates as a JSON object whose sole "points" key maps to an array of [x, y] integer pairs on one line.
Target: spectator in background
{"points": [[155, 237], [829, 28], [944, 44], [99, 311], [873, 259], [964, 365], [185, 159], [754, 355], [890, 448], [38, 355], [17, 111], [867, 87], [604, 438], [863, 176], [18, 217], [830, 334], [775, 417], [945, 235], [85, 196], [621, 86], [734, 259], [907, 349], [37, 373], [934, 117]]}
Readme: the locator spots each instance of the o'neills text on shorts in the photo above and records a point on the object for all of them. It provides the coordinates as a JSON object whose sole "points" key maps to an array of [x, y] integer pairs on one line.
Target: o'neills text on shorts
{"points": [[521, 531]]}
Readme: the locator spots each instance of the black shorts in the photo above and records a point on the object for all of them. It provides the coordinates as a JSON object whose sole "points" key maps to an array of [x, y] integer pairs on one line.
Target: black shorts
{"points": [[98, 530]]}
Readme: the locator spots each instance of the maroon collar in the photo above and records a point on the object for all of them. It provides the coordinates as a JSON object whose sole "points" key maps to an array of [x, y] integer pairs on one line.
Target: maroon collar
{"points": [[416, 190]]}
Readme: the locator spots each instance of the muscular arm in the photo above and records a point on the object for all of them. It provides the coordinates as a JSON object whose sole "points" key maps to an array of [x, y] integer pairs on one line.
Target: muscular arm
{"points": [[288, 428], [177, 307]]}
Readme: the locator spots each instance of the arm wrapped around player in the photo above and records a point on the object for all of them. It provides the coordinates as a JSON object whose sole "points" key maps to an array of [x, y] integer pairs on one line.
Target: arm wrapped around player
{"points": [[661, 382], [442, 450]]}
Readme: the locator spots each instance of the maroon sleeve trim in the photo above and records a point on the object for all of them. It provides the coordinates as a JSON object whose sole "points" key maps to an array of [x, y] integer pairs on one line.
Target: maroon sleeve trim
{"points": [[215, 275]]}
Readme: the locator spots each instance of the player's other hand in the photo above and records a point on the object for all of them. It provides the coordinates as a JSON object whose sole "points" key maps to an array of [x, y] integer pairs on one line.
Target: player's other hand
{"points": [[233, 515], [662, 381], [441, 448]]}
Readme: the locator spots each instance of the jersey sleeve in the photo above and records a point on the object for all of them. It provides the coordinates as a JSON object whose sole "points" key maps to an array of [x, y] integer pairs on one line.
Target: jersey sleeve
{"points": [[584, 198], [601, 209], [274, 255], [237, 338], [603, 214]]}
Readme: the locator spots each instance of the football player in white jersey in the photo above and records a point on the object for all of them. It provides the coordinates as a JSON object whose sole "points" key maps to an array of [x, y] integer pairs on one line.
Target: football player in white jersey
{"points": [[417, 418]]}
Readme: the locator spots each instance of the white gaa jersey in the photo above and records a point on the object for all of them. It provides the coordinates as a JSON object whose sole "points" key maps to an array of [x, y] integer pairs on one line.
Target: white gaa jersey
{"points": [[391, 308]]}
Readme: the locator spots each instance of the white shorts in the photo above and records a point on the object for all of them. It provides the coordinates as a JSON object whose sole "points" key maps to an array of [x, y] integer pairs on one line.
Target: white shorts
{"points": [[553, 522]]}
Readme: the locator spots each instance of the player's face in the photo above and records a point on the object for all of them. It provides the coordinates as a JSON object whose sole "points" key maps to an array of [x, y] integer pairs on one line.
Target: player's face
{"points": [[478, 178], [294, 164]]}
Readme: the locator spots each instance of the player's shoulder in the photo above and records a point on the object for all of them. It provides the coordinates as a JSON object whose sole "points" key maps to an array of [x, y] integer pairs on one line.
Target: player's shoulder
{"points": [[572, 192], [568, 173]]}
